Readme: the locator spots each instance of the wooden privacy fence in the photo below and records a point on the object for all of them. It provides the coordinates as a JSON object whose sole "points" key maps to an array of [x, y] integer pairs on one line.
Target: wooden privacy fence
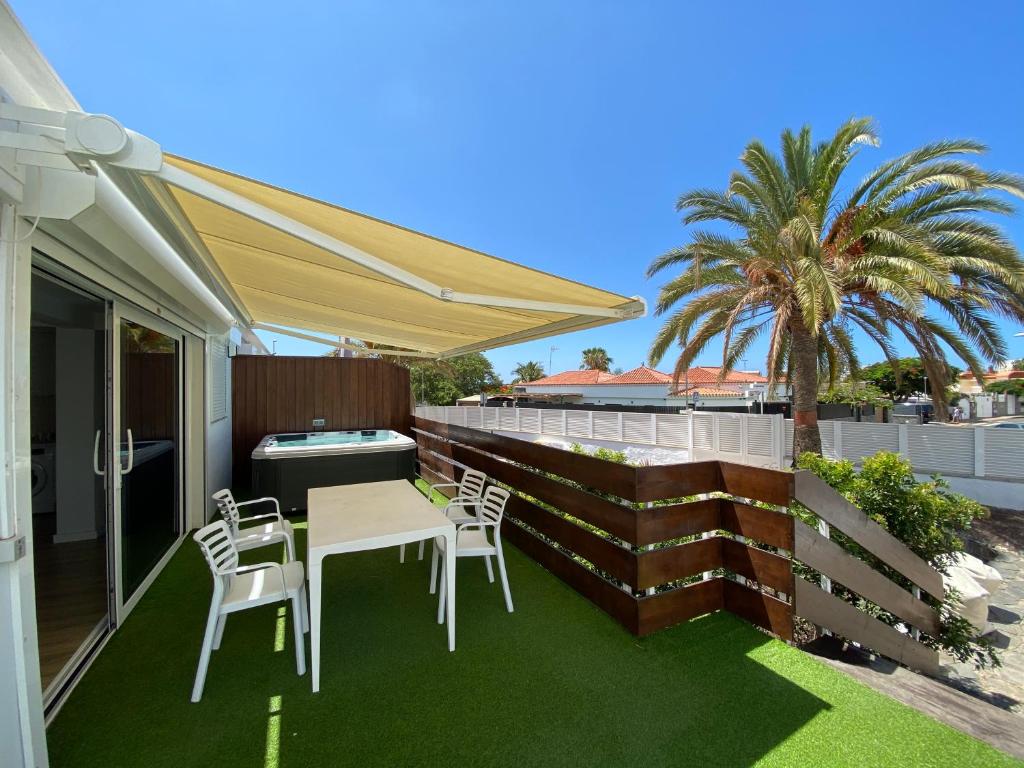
{"points": [[272, 394], [630, 524], [836, 565], [656, 545]]}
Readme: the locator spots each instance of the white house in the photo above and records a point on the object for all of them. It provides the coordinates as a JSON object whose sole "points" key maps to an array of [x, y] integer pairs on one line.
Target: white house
{"points": [[645, 386]]}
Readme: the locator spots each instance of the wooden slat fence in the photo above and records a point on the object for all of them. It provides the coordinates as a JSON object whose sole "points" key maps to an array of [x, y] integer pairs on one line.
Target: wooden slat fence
{"points": [[274, 394], [654, 546], [818, 606], [612, 531]]}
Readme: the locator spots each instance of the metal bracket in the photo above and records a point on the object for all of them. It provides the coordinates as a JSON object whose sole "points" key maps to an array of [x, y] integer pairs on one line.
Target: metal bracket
{"points": [[12, 549]]}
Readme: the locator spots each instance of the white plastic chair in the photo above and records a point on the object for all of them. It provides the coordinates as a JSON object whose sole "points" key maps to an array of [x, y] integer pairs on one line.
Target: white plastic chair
{"points": [[261, 534], [471, 541], [461, 507], [236, 588]]}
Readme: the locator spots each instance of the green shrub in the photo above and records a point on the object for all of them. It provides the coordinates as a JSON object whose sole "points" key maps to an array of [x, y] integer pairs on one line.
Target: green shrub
{"points": [[618, 457], [926, 516]]}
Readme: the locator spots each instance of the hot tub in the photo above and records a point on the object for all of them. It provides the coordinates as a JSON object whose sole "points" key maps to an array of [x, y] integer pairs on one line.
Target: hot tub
{"points": [[287, 466]]}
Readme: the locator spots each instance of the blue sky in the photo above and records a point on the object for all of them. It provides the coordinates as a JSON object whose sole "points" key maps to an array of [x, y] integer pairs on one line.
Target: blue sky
{"points": [[557, 134]]}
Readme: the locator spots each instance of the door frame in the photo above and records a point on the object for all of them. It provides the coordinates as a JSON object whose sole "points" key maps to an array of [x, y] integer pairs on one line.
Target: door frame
{"points": [[66, 677], [121, 307], [123, 311]]}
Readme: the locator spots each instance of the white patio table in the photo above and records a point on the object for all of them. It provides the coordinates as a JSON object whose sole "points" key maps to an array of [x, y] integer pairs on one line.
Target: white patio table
{"points": [[352, 518]]}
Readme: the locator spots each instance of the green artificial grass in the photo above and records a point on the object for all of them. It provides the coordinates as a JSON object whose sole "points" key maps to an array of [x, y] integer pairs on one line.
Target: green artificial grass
{"points": [[557, 683]]}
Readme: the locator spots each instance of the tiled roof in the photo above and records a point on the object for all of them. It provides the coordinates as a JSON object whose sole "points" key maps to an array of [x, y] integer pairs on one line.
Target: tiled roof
{"points": [[709, 374], [704, 375], [641, 375], [570, 378], [995, 375]]}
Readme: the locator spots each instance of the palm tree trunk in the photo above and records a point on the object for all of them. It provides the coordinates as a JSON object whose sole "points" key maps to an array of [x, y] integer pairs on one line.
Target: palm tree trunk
{"points": [[804, 351]]}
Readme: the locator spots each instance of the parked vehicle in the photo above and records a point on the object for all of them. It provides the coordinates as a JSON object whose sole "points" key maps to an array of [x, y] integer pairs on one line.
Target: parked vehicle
{"points": [[912, 413]]}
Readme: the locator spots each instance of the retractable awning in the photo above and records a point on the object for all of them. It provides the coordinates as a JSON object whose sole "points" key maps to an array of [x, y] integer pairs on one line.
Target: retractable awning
{"points": [[301, 263]]}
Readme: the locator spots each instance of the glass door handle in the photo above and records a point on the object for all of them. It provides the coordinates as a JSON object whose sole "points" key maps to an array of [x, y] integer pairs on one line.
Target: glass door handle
{"points": [[131, 454], [96, 456]]}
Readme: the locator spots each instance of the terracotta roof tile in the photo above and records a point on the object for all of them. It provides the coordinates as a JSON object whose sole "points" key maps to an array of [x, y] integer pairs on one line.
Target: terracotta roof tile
{"points": [[570, 378], [709, 374], [641, 375]]}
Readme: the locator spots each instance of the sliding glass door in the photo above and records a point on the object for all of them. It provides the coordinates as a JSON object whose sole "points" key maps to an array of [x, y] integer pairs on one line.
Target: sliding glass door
{"points": [[69, 354], [149, 461], [107, 461]]}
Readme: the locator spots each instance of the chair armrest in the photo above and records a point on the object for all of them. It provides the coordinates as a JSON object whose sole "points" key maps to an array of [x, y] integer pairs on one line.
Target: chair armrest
{"points": [[463, 501], [263, 567], [277, 507], [460, 527], [267, 516], [432, 488]]}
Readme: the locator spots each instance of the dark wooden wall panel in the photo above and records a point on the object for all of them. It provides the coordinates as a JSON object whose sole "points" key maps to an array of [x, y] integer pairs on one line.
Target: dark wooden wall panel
{"points": [[660, 566], [673, 521], [667, 609], [758, 608], [273, 394], [605, 595]]}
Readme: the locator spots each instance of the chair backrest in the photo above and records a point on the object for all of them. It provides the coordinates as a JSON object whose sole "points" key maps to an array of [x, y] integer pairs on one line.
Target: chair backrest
{"points": [[228, 508], [472, 484], [492, 508], [218, 548]]}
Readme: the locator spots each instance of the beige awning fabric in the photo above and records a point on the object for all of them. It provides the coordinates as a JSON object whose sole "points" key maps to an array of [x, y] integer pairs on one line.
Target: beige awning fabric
{"points": [[293, 261]]}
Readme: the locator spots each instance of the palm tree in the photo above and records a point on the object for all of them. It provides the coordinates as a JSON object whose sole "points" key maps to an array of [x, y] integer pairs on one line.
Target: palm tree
{"points": [[528, 371], [595, 359], [907, 252]]}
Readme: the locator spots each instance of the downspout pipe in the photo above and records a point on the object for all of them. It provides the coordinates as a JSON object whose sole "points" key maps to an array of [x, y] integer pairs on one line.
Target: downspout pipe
{"points": [[122, 212]]}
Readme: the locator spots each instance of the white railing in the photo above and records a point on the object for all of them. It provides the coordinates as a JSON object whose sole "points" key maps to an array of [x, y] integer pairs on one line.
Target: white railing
{"points": [[982, 452], [737, 437]]}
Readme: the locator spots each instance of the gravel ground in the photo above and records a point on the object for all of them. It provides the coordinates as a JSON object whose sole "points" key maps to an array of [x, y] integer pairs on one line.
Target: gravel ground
{"points": [[999, 540]]}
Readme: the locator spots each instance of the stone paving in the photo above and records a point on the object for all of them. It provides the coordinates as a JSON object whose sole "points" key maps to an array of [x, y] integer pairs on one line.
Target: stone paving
{"points": [[1002, 686]]}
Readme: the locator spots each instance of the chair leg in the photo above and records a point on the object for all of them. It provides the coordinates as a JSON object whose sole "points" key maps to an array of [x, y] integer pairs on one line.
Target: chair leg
{"points": [[490, 570], [504, 575], [204, 654], [304, 606], [300, 636], [433, 567], [423, 543], [442, 592], [401, 553], [219, 634], [289, 546]]}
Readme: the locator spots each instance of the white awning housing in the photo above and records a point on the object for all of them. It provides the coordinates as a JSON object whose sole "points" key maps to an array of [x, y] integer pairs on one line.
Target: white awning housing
{"points": [[301, 263]]}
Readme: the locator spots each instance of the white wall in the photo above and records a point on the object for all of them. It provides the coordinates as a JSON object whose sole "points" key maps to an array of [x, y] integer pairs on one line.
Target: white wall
{"points": [[983, 463], [22, 733], [218, 430], [647, 394], [743, 438]]}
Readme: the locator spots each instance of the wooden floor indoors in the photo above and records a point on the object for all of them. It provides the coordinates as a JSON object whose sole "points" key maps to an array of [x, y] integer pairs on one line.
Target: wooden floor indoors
{"points": [[71, 594]]}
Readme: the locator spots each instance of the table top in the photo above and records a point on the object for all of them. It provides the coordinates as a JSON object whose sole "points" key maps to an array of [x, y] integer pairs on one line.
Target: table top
{"points": [[365, 515]]}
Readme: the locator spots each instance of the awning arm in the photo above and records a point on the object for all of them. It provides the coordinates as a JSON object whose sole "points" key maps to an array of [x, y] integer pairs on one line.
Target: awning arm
{"points": [[340, 345], [239, 204]]}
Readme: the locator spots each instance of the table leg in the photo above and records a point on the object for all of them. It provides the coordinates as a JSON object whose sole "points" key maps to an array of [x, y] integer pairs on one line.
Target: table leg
{"points": [[315, 564], [449, 574]]}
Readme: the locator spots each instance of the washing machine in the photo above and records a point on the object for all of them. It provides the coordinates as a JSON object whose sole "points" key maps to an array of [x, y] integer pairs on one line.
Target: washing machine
{"points": [[44, 478]]}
